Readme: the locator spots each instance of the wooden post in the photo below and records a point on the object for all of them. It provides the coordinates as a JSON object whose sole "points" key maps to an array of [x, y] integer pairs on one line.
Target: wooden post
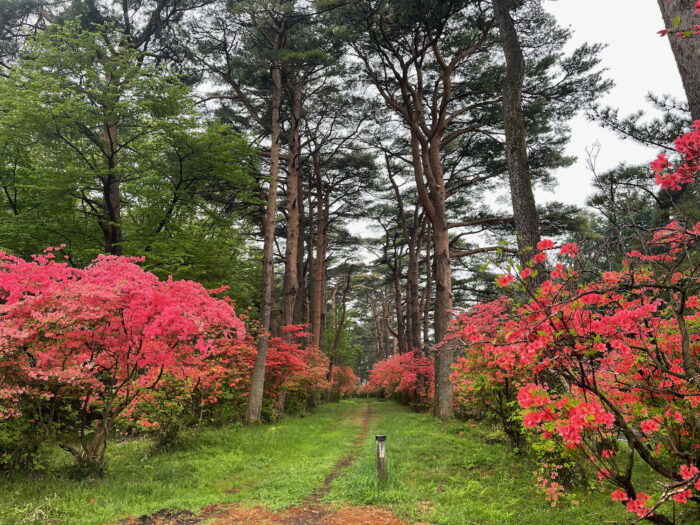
{"points": [[381, 458]]}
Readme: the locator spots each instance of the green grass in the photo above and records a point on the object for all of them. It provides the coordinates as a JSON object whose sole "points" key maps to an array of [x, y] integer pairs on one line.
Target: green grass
{"points": [[445, 473], [273, 465]]}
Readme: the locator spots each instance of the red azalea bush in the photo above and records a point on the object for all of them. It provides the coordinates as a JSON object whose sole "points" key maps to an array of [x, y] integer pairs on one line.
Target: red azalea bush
{"points": [[294, 382], [486, 379], [164, 411], [296, 371], [366, 390], [86, 351], [344, 382], [408, 378], [606, 363], [98, 339]]}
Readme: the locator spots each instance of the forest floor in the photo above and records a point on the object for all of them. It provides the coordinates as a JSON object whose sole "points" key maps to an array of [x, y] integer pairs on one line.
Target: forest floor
{"points": [[319, 469]]}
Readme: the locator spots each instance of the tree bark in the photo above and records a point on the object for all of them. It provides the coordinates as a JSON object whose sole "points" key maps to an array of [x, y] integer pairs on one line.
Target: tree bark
{"points": [[686, 51], [412, 296], [398, 306], [377, 328], [427, 167], [413, 239], [318, 273], [428, 293], [111, 186], [444, 354], [395, 267], [257, 380], [338, 330], [301, 298], [524, 207], [386, 333], [433, 198], [274, 312], [443, 280], [324, 271], [111, 226], [310, 261], [290, 285]]}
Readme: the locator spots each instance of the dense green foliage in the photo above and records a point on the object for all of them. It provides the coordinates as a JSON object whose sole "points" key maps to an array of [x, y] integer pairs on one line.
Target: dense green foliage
{"points": [[186, 185]]}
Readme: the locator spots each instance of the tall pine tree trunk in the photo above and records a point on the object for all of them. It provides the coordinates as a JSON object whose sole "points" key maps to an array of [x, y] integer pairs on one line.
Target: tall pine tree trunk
{"points": [[257, 380], [387, 335], [111, 203], [398, 306], [444, 354], [318, 273], [411, 338], [339, 324], [301, 299], [274, 311], [685, 50], [290, 285], [427, 166], [524, 208], [324, 268], [377, 329], [310, 261], [428, 292], [111, 185], [412, 276]]}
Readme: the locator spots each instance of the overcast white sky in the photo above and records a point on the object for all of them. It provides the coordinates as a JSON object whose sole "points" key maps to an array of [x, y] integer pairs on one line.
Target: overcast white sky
{"points": [[637, 59]]}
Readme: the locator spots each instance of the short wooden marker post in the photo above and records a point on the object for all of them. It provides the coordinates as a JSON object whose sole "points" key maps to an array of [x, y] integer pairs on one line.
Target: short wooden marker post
{"points": [[381, 457]]}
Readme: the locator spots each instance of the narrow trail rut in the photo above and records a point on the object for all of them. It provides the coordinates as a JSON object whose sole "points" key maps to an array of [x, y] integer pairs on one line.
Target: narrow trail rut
{"points": [[311, 511]]}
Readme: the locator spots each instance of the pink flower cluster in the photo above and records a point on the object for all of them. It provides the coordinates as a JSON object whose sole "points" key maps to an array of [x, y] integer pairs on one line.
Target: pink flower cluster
{"points": [[688, 147]]}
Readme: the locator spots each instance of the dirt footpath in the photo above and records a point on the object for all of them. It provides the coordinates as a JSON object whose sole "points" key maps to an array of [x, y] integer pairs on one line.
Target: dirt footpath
{"points": [[235, 514]]}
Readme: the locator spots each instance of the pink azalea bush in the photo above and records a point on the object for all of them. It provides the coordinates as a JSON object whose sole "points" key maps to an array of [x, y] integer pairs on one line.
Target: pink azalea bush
{"points": [[408, 378], [344, 382], [605, 364], [86, 351]]}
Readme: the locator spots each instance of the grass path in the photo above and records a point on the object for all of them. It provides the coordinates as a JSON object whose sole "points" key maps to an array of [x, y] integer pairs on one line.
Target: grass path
{"points": [[312, 511], [311, 470]]}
